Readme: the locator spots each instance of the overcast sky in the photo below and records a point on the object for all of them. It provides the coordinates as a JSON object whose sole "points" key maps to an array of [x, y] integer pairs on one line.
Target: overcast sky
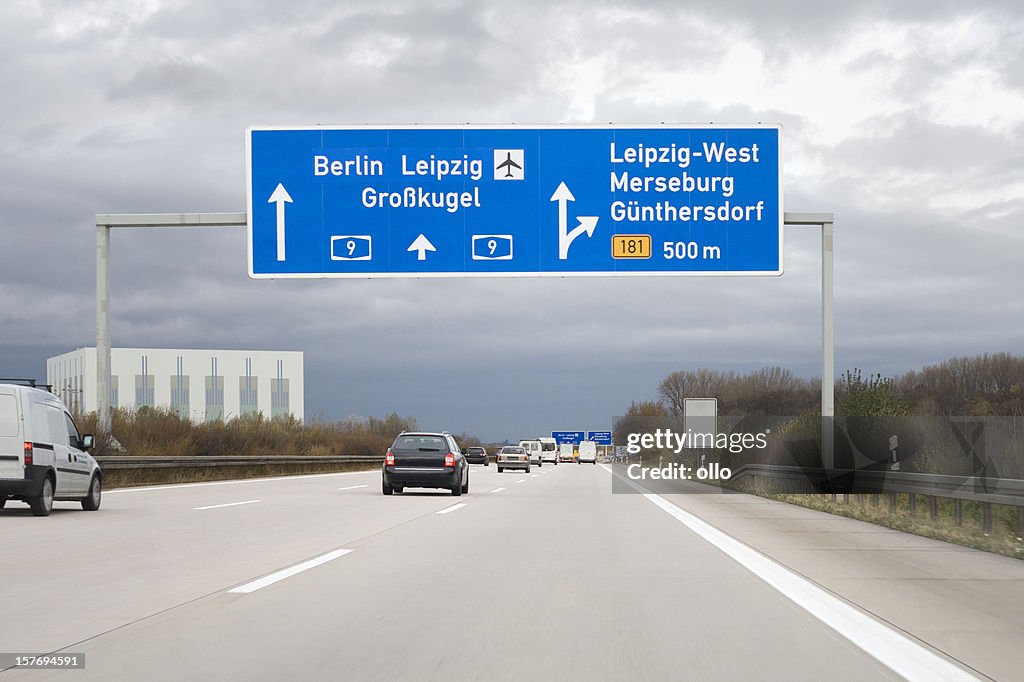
{"points": [[905, 119]]}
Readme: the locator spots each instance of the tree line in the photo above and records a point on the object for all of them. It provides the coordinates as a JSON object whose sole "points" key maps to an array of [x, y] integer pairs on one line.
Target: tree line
{"points": [[982, 385]]}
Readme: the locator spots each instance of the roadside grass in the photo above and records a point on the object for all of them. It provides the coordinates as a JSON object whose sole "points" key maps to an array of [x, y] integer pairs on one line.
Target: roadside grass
{"points": [[895, 512]]}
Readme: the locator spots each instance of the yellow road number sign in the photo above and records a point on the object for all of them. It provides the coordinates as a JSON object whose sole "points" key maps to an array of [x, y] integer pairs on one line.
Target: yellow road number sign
{"points": [[631, 246]]}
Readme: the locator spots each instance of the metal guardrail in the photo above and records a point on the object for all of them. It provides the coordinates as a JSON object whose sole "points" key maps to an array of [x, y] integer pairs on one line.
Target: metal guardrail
{"points": [[112, 462], [987, 491], [1008, 491]]}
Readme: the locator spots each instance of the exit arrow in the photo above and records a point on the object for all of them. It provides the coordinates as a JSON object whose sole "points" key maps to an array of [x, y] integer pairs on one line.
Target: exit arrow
{"points": [[422, 245], [586, 223], [279, 197]]}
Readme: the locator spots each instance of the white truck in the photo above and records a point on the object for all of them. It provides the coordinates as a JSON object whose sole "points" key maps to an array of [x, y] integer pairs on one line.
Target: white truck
{"points": [[588, 452], [42, 454], [566, 452]]}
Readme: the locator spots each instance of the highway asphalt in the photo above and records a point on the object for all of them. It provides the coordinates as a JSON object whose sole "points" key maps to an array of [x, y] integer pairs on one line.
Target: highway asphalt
{"points": [[540, 576]]}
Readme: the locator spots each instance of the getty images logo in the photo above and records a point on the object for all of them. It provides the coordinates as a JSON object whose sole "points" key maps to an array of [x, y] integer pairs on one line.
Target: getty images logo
{"points": [[666, 439]]}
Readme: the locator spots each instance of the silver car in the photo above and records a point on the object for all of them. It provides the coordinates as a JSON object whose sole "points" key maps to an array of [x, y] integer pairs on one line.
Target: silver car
{"points": [[513, 457]]}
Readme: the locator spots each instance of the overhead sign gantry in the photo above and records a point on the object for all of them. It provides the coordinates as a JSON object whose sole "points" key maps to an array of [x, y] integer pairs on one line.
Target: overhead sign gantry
{"points": [[554, 200]]}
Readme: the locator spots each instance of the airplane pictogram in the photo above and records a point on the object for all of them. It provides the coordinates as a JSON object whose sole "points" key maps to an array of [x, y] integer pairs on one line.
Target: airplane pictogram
{"points": [[509, 164]]}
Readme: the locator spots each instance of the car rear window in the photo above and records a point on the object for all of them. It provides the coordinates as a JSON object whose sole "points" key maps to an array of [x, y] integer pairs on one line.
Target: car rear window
{"points": [[513, 451], [475, 450], [421, 443]]}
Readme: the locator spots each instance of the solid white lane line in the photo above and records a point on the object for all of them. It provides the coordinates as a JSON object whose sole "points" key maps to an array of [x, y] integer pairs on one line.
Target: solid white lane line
{"points": [[229, 504], [179, 486], [901, 654], [497, 490], [521, 480], [353, 487], [533, 475], [452, 508], [288, 572]]}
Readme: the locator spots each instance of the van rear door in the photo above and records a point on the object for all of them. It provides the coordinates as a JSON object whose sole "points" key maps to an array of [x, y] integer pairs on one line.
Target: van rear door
{"points": [[12, 443]]}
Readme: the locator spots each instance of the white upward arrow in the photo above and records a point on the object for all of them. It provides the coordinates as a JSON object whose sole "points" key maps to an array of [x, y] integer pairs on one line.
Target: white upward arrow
{"points": [[279, 197], [421, 244], [565, 238]]}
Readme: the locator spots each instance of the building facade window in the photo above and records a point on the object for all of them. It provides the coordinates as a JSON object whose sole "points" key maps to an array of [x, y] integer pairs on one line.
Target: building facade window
{"points": [[179, 390], [214, 398], [248, 397], [248, 402], [145, 393], [179, 396], [214, 393], [279, 398]]}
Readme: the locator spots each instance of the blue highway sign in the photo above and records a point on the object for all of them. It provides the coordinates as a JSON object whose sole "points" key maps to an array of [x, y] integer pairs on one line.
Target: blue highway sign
{"points": [[574, 437], [483, 201], [600, 437]]}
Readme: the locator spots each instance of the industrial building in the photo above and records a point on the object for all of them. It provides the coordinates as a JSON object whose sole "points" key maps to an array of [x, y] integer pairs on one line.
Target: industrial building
{"points": [[200, 385]]}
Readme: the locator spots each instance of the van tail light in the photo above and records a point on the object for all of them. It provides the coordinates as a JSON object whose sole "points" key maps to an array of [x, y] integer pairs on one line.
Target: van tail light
{"points": [[449, 460], [28, 453], [389, 459]]}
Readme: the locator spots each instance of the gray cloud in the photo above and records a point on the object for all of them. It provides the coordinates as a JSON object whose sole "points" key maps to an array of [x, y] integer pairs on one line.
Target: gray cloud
{"points": [[183, 82]]}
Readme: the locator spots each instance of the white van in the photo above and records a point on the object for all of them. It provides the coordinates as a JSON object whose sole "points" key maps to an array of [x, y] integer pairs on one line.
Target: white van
{"points": [[533, 449], [42, 455], [588, 452], [548, 450]]}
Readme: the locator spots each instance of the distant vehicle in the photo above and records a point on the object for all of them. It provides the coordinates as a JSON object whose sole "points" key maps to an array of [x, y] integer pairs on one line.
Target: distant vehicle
{"points": [[533, 449], [475, 455], [425, 460], [513, 457], [588, 452], [566, 452], [548, 450], [42, 454]]}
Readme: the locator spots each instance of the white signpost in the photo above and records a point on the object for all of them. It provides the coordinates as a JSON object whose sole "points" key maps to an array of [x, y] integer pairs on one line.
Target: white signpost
{"points": [[700, 417]]}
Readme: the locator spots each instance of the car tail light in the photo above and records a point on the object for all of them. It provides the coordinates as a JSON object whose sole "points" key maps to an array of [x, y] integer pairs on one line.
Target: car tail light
{"points": [[28, 453], [389, 459], [449, 460]]}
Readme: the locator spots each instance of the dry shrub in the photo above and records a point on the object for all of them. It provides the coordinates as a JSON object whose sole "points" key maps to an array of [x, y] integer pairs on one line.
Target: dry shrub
{"points": [[161, 432]]}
